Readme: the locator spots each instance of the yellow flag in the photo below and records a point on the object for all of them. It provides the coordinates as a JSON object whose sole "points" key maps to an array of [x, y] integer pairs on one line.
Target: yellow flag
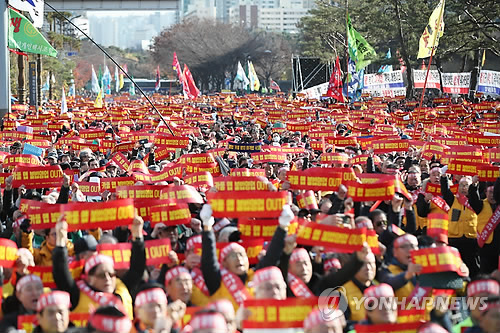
{"points": [[98, 100], [434, 29], [121, 81], [252, 76], [484, 58]]}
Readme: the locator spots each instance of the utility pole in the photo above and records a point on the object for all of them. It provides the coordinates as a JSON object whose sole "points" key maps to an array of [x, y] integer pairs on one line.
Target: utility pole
{"points": [[39, 79], [4, 60], [20, 78]]}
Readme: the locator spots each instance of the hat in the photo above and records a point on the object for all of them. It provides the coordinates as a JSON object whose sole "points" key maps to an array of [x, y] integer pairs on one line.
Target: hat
{"points": [[16, 145], [53, 298], [208, 321], [267, 274], [27, 279], [86, 243], [230, 248], [52, 155], [175, 272], [97, 260], [489, 286], [150, 296]]}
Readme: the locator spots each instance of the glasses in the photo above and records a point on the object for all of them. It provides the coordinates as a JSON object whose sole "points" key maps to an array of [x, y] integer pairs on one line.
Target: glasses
{"points": [[380, 223], [104, 275]]}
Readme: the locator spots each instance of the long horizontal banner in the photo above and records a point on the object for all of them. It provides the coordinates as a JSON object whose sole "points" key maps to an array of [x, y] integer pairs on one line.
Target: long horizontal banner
{"points": [[456, 83], [244, 147], [244, 172], [278, 314], [140, 192], [144, 206], [271, 157], [45, 273], [182, 194], [171, 141], [203, 178], [371, 192], [315, 179], [437, 259], [110, 184], [338, 238], [489, 82], [433, 80], [171, 214], [463, 168], [261, 228], [37, 176], [89, 188], [389, 146], [247, 204], [20, 160], [43, 215], [232, 183], [157, 252], [104, 215], [253, 248]]}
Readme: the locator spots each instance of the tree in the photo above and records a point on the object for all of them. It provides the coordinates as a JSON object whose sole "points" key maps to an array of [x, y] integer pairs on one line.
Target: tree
{"points": [[212, 48]]}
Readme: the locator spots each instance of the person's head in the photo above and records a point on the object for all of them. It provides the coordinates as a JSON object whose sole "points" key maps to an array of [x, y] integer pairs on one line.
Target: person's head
{"points": [[93, 164], [84, 167], [100, 273], [317, 322], [53, 312], [150, 304], [282, 174], [29, 288], [363, 222], [490, 317], [269, 169], [367, 272], [482, 286], [269, 283], [380, 304], [50, 237], [108, 319], [208, 321], [234, 258], [179, 284], [413, 179], [16, 148], [85, 247], [463, 185], [325, 206], [379, 220], [403, 245], [226, 308], [435, 175], [300, 265], [65, 159], [431, 328], [490, 195]]}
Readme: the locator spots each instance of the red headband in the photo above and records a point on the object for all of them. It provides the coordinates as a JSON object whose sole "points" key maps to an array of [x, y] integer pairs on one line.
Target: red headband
{"points": [[316, 317], [331, 263], [405, 238], [97, 260], [267, 274], [483, 286], [191, 242], [299, 254], [27, 279], [208, 321], [175, 272], [150, 296], [230, 248], [54, 298], [381, 290], [110, 324]]}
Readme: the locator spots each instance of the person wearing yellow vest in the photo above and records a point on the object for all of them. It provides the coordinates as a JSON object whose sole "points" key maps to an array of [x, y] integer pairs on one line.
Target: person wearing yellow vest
{"points": [[462, 226], [484, 209], [400, 272], [53, 313], [482, 287], [99, 283], [229, 278], [109, 319], [426, 202], [357, 285]]}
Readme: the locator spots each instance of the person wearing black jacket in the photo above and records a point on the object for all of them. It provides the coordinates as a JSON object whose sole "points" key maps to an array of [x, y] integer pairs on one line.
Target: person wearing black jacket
{"points": [[99, 275], [234, 261]]}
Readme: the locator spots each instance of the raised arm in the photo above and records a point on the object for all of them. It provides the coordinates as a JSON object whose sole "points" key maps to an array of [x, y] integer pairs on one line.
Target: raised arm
{"points": [[133, 276], [209, 265]]}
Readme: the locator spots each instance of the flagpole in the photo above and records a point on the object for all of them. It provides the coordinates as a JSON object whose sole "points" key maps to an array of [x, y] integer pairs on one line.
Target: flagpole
{"points": [[428, 68], [113, 60]]}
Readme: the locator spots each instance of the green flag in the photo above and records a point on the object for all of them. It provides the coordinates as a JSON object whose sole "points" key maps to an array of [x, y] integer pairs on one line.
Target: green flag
{"points": [[25, 37], [359, 49]]}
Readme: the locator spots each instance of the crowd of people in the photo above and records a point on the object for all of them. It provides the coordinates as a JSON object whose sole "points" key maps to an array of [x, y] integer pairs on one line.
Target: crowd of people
{"points": [[438, 170]]}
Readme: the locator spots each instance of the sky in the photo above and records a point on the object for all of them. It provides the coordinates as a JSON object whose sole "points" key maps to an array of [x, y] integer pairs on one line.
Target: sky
{"points": [[123, 13]]}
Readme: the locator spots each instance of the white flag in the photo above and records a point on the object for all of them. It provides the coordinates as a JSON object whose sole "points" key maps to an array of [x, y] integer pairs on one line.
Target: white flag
{"points": [[34, 7], [95, 82], [241, 76], [64, 105]]}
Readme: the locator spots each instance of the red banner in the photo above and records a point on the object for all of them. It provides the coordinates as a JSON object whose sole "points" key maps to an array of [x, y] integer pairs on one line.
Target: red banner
{"points": [[171, 141], [488, 173], [92, 134], [111, 184], [388, 146], [20, 160], [140, 191], [463, 168], [144, 206], [45, 273], [247, 204], [120, 160], [271, 157], [244, 172], [199, 179], [171, 214], [182, 194], [232, 183], [104, 215], [342, 141], [437, 259], [43, 215], [37, 177], [307, 200], [261, 228], [315, 179], [90, 189], [482, 140], [8, 253], [332, 237], [371, 192], [156, 252], [278, 314]]}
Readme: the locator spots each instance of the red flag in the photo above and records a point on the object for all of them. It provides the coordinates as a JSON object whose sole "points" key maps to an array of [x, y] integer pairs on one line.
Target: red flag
{"points": [[157, 84], [193, 91], [177, 68], [335, 85], [274, 86]]}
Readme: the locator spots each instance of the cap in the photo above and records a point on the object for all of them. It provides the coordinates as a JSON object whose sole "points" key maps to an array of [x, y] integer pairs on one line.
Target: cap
{"points": [[53, 298], [97, 260], [489, 286], [175, 272], [86, 243], [299, 254], [149, 296], [267, 274], [230, 248], [27, 279], [208, 321]]}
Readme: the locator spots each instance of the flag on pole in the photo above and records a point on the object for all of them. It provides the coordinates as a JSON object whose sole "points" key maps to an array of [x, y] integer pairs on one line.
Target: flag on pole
{"points": [[95, 82], [106, 81], [401, 61], [386, 68], [429, 40], [484, 58], [242, 77], [180, 74], [335, 84], [193, 91], [359, 50], [274, 86], [157, 84], [254, 79], [98, 100], [46, 85], [117, 79], [131, 89], [33, 7], [64, 105]]}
